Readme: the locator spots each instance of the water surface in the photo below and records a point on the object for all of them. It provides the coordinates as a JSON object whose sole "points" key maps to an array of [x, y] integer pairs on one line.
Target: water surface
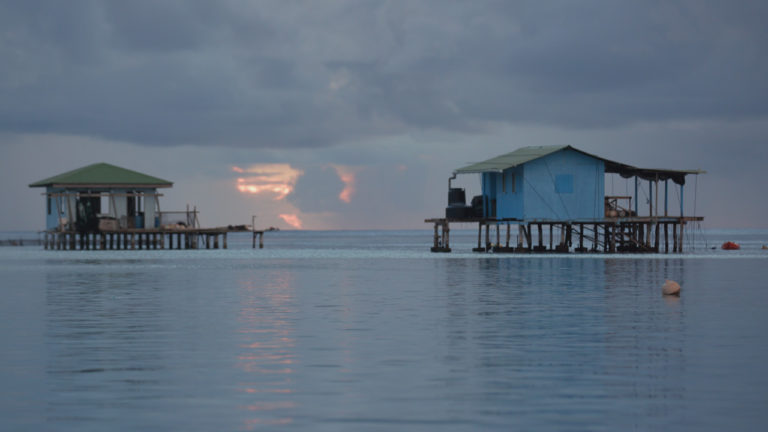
{"points": [[368, 331]]}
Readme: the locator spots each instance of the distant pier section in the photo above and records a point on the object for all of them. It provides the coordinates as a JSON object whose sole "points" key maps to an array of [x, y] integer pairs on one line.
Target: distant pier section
{"points": [[552, 199], [106, 207]]}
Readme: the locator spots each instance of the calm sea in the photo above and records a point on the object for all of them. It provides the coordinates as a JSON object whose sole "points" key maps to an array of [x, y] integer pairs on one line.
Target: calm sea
{"points": [[358, 331]]}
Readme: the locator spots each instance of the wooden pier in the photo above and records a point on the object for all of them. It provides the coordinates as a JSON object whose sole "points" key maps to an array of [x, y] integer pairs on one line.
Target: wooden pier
{"points": [[143, 239], [611, 235]]}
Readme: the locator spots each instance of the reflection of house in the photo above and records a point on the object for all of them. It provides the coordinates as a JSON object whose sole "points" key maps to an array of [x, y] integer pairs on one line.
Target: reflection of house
{"points": [[77, 199]]}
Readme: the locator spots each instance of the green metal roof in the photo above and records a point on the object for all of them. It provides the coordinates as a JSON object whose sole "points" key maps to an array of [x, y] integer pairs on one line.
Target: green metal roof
{"points": [[527, 154], [102, 174], [509, 160]]}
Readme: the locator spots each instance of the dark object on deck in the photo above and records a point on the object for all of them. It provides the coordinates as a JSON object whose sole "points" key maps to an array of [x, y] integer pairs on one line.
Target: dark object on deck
{"points": [[477, 206], [457, 204], [456, 212], [456, 197]]}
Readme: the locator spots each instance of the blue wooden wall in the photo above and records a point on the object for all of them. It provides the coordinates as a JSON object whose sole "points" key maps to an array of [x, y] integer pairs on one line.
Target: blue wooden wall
{"points": [[565, 185]]}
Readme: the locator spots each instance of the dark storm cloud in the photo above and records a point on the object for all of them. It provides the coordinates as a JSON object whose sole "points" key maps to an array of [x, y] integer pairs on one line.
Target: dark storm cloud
{"points": [[309, 74]]}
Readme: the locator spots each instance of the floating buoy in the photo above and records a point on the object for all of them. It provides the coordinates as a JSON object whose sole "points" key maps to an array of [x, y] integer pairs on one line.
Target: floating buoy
{"points": [[730, 246], [670, 288]]}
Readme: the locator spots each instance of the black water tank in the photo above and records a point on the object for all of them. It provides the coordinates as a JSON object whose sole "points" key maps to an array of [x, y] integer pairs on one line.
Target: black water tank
{"points": [[477, 206], [456, 197], [457, 212]]}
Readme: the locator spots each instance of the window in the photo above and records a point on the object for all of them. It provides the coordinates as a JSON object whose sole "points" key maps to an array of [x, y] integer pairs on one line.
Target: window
{"points": [[504, 178], [564, 183], [504, 182]]}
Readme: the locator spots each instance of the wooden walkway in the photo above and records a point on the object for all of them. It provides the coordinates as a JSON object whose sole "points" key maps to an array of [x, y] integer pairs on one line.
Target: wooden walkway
{"points": [[144, 238]]}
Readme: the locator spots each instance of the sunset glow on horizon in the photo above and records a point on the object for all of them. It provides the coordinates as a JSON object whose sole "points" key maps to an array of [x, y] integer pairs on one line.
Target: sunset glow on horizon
{"points": [[348, 176], [278, 179], [292, 220]]}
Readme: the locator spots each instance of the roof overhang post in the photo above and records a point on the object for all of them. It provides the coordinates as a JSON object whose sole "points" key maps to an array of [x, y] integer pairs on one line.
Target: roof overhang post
{"points": [[682, 199], [637, 197]]}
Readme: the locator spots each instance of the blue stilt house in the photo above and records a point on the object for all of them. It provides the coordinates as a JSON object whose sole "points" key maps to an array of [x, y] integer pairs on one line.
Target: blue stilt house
{"points": [[562, 187], [542, 183]]}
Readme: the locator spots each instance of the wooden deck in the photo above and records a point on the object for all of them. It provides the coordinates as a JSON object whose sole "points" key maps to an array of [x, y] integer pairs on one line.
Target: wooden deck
{"points": [[609, 235]]}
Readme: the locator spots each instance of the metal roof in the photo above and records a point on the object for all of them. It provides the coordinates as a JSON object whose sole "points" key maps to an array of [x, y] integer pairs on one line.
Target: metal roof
{"points": [[526, 154], [510, 160], [102, 174]]}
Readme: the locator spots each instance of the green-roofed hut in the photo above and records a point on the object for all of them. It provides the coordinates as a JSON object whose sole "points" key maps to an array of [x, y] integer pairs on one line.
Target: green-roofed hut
{"points": [[103, 206], [563, 188], [79, 199]]}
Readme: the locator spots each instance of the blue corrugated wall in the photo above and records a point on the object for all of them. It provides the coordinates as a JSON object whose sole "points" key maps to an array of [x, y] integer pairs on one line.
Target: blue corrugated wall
{"points": [[566, 185]]}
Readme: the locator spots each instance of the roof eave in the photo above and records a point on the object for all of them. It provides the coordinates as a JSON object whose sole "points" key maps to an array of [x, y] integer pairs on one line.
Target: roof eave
{"points": [[104, 185]]}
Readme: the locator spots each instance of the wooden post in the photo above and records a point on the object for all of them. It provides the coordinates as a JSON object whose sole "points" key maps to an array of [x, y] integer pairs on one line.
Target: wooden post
{"points": [[479, 235], [682, 237], [435, 243], [261, 240], [507, 243], [133, 241], [656, 234], [520, 236], [596, 244], [666, 238], [674, 237], [551, 236], [487, 236], [541, 236], [216, 241], [562, 235], [581, 237], [225, 240], [498, 235]]}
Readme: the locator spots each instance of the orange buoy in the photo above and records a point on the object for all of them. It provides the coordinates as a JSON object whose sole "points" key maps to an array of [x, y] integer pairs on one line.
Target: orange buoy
{"points": [[730, 246], [670, 288]]}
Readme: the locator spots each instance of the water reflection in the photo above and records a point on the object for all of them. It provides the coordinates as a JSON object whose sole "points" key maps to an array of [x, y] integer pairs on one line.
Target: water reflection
{"points": [[567, 333], [102, 329], [267, 353]]}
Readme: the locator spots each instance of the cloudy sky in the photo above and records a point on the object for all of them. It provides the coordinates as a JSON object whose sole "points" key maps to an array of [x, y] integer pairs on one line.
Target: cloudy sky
{"points": [[353, 114]]}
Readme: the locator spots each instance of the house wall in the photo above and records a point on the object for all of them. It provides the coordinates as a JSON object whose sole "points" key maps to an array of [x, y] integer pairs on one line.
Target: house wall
{"points": [[58, 208], [563, 186], [120, 210], [510, 193]]}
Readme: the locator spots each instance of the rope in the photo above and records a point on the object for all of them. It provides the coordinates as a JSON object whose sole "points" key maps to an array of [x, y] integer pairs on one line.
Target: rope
{"points": [[551, 177], [542, 198]]}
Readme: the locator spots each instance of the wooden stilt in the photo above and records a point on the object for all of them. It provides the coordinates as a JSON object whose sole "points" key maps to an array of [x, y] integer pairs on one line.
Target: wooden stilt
{"points": [[551, 236], [674, 238]]}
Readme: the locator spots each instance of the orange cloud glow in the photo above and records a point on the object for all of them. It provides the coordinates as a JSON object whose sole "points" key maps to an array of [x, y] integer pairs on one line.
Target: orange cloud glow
{"points": [[348, 175], [292, 220], [278, 179]]}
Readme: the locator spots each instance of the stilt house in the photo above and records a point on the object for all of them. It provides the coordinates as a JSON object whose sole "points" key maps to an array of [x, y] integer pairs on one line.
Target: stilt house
{"points": [[562, 187], [76, 200]]}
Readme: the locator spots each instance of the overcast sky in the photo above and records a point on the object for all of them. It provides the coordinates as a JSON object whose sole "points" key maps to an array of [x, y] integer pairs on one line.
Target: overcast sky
{"points": [[352, 114]]}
